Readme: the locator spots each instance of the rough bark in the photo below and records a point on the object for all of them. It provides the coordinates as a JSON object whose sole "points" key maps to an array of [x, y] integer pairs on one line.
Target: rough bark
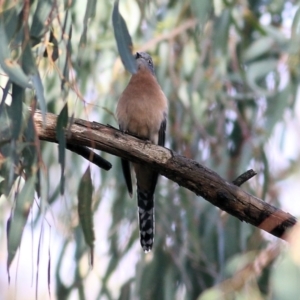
{"points": [[186, 172]]}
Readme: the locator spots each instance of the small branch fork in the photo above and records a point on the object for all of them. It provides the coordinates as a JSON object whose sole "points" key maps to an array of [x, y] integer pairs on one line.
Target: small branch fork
{"points": [[190, 174], [244, 177]]}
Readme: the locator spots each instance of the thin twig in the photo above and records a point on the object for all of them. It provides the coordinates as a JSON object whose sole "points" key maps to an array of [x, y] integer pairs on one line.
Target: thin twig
{"points": [[244, 177]]}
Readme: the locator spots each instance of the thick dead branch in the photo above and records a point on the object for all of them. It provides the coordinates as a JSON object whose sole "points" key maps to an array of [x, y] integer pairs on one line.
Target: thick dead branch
{"points": [[186, 172]]}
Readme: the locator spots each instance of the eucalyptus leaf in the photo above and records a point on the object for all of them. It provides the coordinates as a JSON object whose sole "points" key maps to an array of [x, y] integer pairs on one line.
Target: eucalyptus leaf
{"points": [[5, 93], [259, 47], [257, 71], [202, 10], [10, 66], [90, 11], [40, 94], [42, 13], [221, 32], [85, 192], [285, 279], [15, 111], [18, 219], [123, 39], [62, 122], [11, 19], [275, 108]]}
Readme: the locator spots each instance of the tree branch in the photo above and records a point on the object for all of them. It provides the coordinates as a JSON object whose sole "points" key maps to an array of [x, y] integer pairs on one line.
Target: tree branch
{"points": [[244, 177], [90, 156], [186, 172]]}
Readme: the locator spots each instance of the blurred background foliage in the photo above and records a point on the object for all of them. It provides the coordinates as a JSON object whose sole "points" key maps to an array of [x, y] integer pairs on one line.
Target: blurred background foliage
{"points": [[230, 70]]}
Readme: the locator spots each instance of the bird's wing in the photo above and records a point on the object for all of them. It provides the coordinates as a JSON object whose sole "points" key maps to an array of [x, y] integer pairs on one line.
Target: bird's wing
{"points": [[127, 175], [162, 132], [161, 142], [126, 172]]}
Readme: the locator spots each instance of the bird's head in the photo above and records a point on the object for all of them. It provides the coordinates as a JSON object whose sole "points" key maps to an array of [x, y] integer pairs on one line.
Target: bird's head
{"points": [[144, 61]]}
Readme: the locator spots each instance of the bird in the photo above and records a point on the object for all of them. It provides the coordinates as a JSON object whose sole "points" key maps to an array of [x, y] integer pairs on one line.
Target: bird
{"points": [[142, 111]]}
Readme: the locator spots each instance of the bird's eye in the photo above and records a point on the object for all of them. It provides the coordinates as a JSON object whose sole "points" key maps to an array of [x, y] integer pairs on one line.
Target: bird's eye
{"points": [[150, 62]]}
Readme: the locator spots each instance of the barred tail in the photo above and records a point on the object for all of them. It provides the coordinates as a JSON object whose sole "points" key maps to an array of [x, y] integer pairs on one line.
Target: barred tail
{"points": [[146, 218]]}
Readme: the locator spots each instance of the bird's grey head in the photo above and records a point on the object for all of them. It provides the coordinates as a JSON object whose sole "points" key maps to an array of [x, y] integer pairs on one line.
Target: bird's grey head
{"points": [[143, 60]]}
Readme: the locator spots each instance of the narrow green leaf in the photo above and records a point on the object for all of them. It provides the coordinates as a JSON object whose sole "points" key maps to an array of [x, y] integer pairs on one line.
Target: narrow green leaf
{"points": [[90, 11], [123, 40], [38, 183], [15, 73], [67, 23], [39, 90], [258, 70], [80, 243], [259, 47], [28, 62], [285, 278], [38, 262], [30, 69], [275, 108], [29, 152], [62, 122], [85, 192], [5, 93], [221, 32], [49, 272], [89, 14], [41, 14], [5, 133], [126, 290], [66, 66], [296, 25], [18, 219], [15, 110], [202, 10], [3, 38], [9, 66], [62, 291], [9, 18]]}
